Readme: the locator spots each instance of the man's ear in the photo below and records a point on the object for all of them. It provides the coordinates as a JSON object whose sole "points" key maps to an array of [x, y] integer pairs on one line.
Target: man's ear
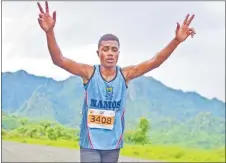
{"points": [[98, 53]]}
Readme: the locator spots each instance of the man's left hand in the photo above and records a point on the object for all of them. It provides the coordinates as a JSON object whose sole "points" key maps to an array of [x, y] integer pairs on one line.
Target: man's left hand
{"points": [[183, 31]]}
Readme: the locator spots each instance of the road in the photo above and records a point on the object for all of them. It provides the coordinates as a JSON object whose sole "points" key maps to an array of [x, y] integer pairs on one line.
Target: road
{"points": [[21, 152]]}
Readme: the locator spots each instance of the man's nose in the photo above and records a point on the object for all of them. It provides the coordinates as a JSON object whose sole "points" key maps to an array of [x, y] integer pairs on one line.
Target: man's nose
{"points": [[110, 54]]}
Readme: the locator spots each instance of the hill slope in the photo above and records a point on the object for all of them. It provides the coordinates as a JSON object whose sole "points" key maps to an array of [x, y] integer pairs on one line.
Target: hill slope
{"points": [[169, 111]]}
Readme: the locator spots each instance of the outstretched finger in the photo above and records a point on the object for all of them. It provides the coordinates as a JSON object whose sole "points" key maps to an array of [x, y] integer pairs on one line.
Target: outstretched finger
{"points": [[54, 15], [40, 20], [41, 15], [186, 19], [47, 7], [191, 34], [193, 30], [178, 27], [40, 7], [189, 21]]}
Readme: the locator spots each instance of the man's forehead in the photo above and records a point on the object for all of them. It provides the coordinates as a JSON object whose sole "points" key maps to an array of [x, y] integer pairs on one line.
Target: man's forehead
{"points": [[111, 43]]}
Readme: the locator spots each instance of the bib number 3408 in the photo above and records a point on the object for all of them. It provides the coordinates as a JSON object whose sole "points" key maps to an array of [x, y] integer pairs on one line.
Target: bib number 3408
{"points": [[101, 119]]}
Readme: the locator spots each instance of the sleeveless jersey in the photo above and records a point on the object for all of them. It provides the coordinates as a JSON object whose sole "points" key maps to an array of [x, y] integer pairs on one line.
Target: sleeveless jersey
{"points": [[102, 124]]}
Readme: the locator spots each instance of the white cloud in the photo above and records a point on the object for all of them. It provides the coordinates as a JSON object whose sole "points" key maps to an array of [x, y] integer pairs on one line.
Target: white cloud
{"points": [[45, 67], [144, 28]]}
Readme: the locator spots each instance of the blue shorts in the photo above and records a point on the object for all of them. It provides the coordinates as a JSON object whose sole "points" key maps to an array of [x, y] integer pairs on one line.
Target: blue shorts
{"points": [[93, 155]]}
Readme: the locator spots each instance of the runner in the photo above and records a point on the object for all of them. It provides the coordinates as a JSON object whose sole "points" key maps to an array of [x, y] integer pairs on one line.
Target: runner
{"points": [[105, 84]]}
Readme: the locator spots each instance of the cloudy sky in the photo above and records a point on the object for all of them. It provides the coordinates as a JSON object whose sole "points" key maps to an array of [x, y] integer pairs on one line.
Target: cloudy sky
{"points": [[144, 28]]}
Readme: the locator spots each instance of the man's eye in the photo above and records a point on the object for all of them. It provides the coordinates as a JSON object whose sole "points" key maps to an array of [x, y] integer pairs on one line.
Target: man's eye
{"points": [[115, 49], [105, 48]]}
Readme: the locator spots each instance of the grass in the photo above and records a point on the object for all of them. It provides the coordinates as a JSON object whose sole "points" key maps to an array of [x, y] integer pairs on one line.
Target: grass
{"points": [[174, 153], [148, 152], [59, 143]]}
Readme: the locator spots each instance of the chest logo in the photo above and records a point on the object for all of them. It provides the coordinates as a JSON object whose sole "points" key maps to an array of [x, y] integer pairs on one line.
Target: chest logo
{"points": [[109, 93]]}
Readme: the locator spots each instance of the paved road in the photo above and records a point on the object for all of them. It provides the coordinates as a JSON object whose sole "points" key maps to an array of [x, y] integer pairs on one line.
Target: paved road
{"points": [[21, 152]]}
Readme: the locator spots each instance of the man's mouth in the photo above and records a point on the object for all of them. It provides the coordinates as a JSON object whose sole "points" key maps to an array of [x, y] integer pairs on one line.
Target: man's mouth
{"points": [[110, 60]]}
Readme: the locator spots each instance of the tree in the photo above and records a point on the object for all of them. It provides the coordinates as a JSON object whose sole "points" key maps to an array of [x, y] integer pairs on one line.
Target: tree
{"points": [[24, 121], [141, 133]]}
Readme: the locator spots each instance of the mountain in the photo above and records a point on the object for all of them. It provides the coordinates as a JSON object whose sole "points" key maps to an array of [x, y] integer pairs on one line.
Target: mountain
{"points": [[169, 110]]}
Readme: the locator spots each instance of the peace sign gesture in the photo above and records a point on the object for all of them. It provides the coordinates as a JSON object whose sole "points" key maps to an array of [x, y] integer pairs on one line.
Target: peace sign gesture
{"points": [[45, 20], [183, 31]]}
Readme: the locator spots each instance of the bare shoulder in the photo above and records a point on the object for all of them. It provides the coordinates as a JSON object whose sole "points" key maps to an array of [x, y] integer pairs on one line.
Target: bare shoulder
{"points": [[83, 70], [89, 71], [125, 72]]}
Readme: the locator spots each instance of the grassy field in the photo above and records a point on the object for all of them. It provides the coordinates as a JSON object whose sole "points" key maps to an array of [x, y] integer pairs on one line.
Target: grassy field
{"points": [[54, 134], [150, 152]]}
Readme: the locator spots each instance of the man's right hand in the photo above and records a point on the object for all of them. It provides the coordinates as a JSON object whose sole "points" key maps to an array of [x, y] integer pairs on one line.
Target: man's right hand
{"points": [[46, 22]]}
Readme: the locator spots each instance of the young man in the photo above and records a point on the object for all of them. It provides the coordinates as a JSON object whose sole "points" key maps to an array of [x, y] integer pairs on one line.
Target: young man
{"points": [[102, 125]]}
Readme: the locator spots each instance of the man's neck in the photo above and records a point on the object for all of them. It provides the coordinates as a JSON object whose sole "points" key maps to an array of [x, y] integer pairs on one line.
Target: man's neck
{"points": [[108, 71]]}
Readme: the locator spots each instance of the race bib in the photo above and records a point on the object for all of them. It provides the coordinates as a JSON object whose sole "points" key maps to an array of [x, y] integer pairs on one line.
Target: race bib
{"points": [[101, 119]]}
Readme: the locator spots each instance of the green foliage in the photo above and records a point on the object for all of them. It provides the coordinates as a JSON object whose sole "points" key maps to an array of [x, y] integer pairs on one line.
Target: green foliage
{"points": [[181, 118], [137, 141], [3, 132], [198, 132], [23, 121], [43, 130], [10, 122], [144, 125], [140, 134]]}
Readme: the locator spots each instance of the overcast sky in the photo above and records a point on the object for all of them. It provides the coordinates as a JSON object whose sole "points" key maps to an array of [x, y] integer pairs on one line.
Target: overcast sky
{"points": [[144, 28]]}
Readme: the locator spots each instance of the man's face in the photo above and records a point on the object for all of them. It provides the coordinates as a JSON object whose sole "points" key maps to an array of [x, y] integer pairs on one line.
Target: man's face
{"points": [[108, 53]]}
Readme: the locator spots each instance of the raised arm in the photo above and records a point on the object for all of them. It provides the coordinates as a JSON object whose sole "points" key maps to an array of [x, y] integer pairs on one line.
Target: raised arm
{"points": [[181, 34], [47, 23]]}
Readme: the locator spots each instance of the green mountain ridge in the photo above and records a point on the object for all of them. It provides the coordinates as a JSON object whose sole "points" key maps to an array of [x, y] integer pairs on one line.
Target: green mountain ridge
{"points": [[173, 113]]}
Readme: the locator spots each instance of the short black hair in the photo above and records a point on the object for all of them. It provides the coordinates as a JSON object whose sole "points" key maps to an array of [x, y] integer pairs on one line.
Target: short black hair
{"points": [[107, 37]]}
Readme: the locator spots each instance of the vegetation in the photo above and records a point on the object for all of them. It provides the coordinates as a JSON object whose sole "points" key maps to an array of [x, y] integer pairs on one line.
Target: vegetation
{"points": [[176, 125], [137, 142]]}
